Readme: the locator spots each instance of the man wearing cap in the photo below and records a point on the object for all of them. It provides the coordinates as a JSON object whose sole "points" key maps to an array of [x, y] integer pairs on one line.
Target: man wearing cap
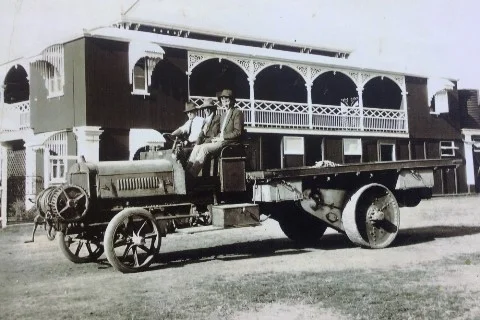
{"points": [[191, 129], [231, 131]]}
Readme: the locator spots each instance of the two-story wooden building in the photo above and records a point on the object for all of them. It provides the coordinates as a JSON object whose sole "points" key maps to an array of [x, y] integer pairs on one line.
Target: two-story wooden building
{"points": [[86, 96]]}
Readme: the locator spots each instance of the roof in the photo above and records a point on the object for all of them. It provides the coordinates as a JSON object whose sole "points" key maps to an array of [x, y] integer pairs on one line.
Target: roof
{"points": [[415, 36]]}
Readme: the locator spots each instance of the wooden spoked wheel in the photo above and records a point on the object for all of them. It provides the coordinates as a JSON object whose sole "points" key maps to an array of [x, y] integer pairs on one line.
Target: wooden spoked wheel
{"points": [[79, 248], [132, 240]]}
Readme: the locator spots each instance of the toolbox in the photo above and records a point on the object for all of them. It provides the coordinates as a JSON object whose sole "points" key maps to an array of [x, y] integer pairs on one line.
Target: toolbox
{"points": [[235, 215]]}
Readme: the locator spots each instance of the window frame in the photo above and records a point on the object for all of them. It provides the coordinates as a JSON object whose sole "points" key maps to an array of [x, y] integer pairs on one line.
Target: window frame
{"points": [[294, 152], [451, 147], [141, 63], [358, 148], [387, 143]]}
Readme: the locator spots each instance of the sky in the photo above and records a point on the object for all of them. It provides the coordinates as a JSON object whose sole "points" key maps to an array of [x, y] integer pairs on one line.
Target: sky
{"points": [[431, 37]]}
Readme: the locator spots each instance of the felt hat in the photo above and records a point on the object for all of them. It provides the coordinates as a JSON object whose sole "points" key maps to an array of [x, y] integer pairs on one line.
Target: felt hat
{"points": [[208, 103], [190, 107], [226, 93]]}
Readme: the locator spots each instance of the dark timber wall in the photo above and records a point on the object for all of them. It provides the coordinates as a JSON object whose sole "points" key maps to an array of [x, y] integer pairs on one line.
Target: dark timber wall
{"points": [[67, 111], [110, 103], [422, 124]]}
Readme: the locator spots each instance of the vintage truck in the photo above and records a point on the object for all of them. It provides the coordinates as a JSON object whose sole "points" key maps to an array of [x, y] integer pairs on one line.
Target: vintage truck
{"points": [[124, 208]]}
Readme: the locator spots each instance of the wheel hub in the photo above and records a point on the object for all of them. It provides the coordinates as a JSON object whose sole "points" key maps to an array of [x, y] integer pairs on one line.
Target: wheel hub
{"points": [[138, 240], [374, 214]]}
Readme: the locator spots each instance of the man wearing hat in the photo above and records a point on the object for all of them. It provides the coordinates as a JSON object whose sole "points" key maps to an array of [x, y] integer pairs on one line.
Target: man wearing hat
{"points": [[211, 126], [231, 131], [190, 130]]}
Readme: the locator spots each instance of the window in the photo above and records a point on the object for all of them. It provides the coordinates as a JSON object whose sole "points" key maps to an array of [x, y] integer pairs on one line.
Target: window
{"points": [[386, 151], [440, 102], [142, 59], [447, 148], [352, 150], [54, 83], [293, 152], [140, 77], [57, 169]]}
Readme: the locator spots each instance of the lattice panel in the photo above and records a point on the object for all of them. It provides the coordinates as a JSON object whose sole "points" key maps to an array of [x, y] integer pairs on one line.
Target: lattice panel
{"points": [[382, 113], [278, 106], [319, 109], [16, 163], [20, 107]]}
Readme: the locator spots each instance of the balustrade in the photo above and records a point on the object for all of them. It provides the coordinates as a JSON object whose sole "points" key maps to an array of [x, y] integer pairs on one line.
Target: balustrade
{"points": [[277, 114], [15, 116]]}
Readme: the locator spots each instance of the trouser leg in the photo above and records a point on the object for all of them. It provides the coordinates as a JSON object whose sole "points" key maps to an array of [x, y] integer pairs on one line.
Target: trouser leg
{"points": [[202, 152]]}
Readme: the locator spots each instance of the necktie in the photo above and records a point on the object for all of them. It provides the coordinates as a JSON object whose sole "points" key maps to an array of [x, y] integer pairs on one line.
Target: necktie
{"points": [[224, 124]]}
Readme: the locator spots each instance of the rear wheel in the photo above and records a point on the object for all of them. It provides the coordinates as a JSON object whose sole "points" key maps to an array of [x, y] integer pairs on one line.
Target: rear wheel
{"points": [[372, 217], [299, 226]]}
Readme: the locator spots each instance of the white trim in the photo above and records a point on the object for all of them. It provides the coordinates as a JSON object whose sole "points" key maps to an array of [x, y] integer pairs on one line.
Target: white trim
{"points": [[387, 143], [446, 148], [435, 85], [152, 53], [326, 133]]}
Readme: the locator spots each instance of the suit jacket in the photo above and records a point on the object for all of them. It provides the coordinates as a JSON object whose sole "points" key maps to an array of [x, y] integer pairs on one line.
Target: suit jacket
{"points": [[212, 130], [235, 125]]}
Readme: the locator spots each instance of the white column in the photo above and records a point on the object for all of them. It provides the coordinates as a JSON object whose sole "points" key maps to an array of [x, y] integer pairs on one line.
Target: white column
{"points": [[360, 105], [251, 82], [308, 85], [404, 107], [30, 173], [88, 140], [469, 167], [188, 73], [3, 212]]}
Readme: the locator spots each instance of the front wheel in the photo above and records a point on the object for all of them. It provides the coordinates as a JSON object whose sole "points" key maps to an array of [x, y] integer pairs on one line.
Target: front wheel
{"points": [[299, 226], [132, 240]]}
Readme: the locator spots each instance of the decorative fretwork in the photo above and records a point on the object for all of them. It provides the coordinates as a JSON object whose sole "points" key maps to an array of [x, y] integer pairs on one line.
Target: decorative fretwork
{"points": [[303, 71], [260, 65], [314, 72], [354, 76], [194, 59], [367, 76], [244, 64]]}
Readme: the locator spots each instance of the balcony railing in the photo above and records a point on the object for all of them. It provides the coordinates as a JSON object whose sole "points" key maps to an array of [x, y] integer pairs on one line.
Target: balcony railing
{"points": [[278, 115], [15, 116]]}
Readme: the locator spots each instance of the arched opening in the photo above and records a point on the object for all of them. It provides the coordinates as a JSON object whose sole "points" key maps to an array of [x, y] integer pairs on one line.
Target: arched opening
{"points": [[277, 83], [214, 75], [334, 88], [382, 93], [17, 88], [169, 82]]}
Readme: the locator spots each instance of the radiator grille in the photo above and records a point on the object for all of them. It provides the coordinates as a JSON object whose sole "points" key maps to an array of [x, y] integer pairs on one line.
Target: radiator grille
{"points": [[140, 183]]}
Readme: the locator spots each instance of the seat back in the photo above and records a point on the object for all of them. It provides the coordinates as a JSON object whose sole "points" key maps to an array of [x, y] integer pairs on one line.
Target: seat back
{"points": [[232, 168]]}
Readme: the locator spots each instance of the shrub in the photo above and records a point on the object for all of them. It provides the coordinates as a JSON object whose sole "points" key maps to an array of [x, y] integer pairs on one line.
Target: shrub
{"points": [[17, 210]]}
